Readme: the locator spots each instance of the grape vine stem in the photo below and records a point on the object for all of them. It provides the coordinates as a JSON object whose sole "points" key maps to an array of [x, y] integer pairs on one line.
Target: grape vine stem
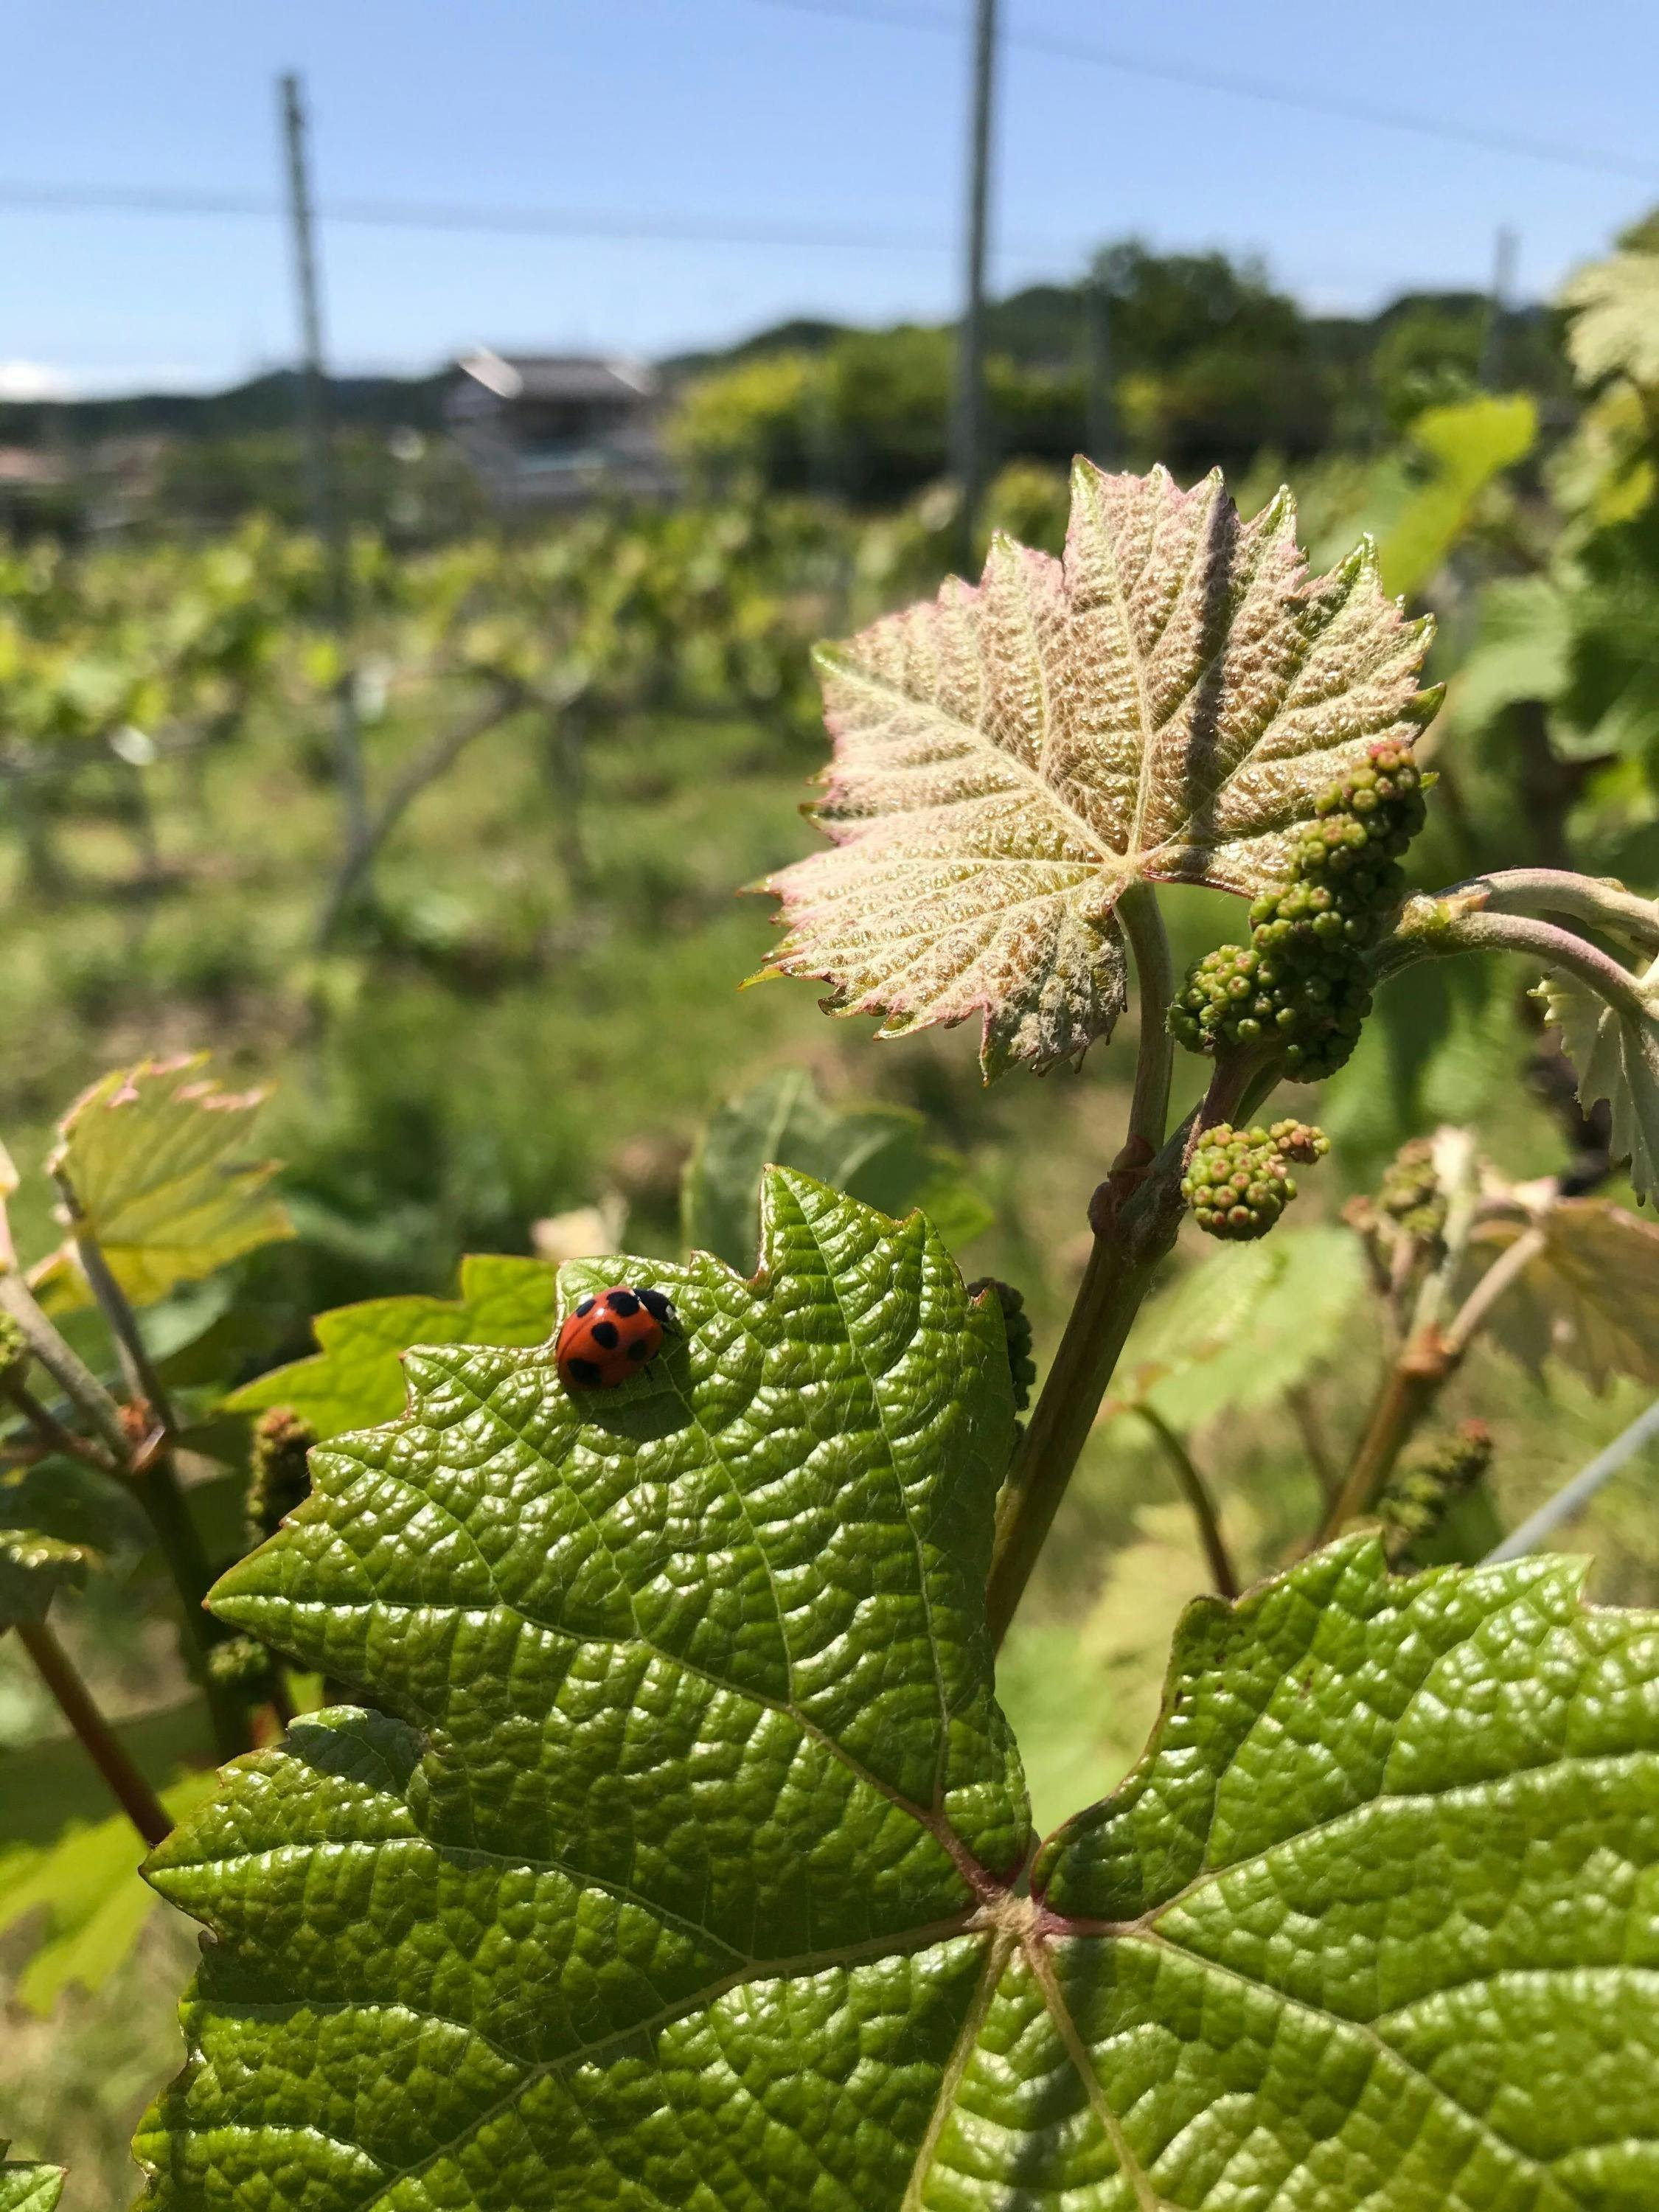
{"points": [[100, 1741], [1135, 1214]]}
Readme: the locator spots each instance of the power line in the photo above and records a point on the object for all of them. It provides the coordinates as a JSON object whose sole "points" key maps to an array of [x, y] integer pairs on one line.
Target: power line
{"points": [[514, 221], [1060, 47]]}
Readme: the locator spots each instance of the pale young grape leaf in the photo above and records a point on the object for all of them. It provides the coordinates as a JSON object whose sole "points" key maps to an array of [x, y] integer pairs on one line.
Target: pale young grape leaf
{"points": [[682, 1866], [879, 1154], [1612, 310], [355, 1379], [154, 1154], [1164, 707], [1591, 1296], [1615, 1054], [30, 2188]]}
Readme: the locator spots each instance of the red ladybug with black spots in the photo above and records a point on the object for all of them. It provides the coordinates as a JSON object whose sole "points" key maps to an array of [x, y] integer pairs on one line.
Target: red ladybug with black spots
{"points": [[611, 1336]]}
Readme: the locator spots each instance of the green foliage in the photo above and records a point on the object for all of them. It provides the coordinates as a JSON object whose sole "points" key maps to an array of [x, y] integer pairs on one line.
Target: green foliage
{"points": [[798, 1906], [879, 1154], [1590, 1296], [152, 1156], [59, 1520], [1428, 356], [1238, 1332], [1239, 1180], [1615, 1050], [84, 1890], [1465, 448], [357, 1377], [1613, 307], [1301, 987], [996, 791], [30, 2188]]}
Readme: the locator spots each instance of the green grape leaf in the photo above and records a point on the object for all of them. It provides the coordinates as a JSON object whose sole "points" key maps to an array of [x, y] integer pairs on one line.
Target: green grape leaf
{"points": [[876, 1153], [356, 1378], [34, 1567], [86, 1887], [1468, 446], [1521, 650], [682, 1866], [58, 1521], [1590, 1298], [153, 1154], [1164, 707], [1243, 1327], [1613, 311], [1615, 1053], [30, 2188]]}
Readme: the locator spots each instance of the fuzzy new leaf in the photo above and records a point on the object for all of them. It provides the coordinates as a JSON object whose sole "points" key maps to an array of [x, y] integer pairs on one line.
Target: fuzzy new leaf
{"points": [[1615, 1052], [682, 1867], [154, 1155], [1164, 707]]}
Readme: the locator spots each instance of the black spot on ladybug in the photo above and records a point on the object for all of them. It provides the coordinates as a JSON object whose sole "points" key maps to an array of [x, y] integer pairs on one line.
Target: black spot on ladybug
{"points": [[623, 1305], [607, 1334], [656, 1306], [638, 1349], [584, 1307], [585, 1371]]}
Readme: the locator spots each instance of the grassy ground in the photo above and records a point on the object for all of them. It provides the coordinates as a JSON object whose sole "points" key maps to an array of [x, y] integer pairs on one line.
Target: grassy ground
{"points": [[507, 1043]]}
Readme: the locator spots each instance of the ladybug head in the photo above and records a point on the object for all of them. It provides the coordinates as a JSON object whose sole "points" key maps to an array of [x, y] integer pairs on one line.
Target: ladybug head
{"points": [[661, 1310]]}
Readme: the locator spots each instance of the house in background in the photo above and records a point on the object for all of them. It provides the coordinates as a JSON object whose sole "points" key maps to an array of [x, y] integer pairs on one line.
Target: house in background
{"points": [[555, 429]]}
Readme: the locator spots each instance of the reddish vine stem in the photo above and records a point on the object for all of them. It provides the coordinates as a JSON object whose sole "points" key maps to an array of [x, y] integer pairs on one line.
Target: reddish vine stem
{"points": [[155, 1476], [100, 1741], [1136, 1215], [1430, 1358]]}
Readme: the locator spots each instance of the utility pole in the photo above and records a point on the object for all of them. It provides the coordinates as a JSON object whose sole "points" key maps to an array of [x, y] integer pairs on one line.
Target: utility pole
{"points": [[968, 457], [1099, 428], [327, 513], [1506, 248]]}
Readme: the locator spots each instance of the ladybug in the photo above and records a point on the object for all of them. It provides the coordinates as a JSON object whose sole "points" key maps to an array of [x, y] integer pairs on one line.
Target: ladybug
{"points": [[610, 1336]]}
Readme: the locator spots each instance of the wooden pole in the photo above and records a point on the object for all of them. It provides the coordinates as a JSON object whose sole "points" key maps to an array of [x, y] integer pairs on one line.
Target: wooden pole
{"points": [[327, 511], [969, 457]]}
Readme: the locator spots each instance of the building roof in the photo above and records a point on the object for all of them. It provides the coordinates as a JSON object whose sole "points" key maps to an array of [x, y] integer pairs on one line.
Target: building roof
{"points": [[560, 375]]}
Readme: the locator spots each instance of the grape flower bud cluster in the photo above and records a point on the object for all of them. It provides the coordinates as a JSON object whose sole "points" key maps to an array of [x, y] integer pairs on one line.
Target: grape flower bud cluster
{"points": [[278, 1477], [1418, 1499], [1239, 1183], [1303, 983]]}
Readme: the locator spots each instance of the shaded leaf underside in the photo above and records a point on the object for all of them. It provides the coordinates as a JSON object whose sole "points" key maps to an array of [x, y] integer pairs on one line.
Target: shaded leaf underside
{"points": [[677, 1869], [1615, 1054], [1164, 707]]}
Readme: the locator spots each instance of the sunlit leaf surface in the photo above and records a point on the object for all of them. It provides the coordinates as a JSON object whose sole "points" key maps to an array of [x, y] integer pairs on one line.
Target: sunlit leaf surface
{"points": [[680, 1864]]}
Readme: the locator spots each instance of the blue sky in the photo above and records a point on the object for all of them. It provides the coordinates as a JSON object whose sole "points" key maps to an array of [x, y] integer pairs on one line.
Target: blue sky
{"points": [[762, 112]]}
